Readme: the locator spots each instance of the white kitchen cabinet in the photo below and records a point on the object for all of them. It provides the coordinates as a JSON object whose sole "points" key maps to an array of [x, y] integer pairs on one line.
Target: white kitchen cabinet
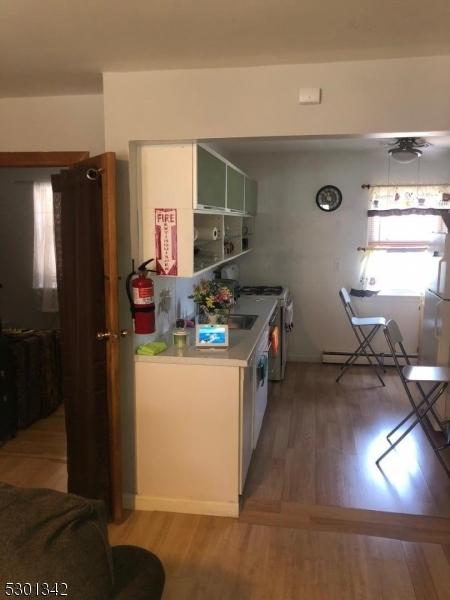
{"points": [[251, 196], [188, 435], [235, 190], [195, 428], [211, 177], [203, 190]]}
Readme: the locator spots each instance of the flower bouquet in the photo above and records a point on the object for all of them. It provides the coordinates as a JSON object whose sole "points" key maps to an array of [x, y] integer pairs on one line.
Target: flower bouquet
{"points": [[214, 301]]}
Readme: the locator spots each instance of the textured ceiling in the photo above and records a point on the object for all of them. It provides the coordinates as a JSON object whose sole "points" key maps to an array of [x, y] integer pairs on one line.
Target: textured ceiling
{"points": [[63, 46]]}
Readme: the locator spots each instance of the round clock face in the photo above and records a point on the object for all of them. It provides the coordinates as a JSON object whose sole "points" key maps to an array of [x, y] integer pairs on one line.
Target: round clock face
{"points": [[329, 198]]}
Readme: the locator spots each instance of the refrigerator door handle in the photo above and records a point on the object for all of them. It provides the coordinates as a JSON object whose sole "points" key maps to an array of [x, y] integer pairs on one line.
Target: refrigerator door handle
{"points": [[437, 333]]}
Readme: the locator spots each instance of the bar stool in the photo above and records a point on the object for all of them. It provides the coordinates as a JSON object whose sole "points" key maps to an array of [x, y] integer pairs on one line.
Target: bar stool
{"points": [[438, 377], [364, 341]]}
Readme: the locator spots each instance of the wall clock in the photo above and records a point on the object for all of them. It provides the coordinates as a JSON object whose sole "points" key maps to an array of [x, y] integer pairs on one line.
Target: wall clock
{"points": [[329, 198]]}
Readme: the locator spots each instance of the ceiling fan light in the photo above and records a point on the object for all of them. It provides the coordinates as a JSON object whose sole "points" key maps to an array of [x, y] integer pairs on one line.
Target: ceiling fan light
{"points": [[405, 155]]}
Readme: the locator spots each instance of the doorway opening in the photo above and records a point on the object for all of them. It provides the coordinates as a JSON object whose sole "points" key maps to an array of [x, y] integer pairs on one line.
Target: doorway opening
{"points": [[319, 440], [32, 425], [75, 277]]}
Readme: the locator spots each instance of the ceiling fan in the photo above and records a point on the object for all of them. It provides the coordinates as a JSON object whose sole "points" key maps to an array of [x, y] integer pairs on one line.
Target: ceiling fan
{"points": [[405, 150]]}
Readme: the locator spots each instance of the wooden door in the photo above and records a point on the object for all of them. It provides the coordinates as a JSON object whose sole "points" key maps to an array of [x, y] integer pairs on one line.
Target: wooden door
{"points": [[88, 292]]}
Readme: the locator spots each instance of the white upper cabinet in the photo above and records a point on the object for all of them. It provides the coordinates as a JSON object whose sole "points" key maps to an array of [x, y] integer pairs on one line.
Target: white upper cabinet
{"points": [[211, 180], [235, 190], [187, 195]]}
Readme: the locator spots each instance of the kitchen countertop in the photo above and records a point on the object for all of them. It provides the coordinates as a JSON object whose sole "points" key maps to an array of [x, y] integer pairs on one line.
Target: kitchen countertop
{"points": [[242, 341]]}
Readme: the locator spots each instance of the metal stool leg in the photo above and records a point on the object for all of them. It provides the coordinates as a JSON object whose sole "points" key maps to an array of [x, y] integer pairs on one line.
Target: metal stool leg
{"points": [[374, 367], [361, 342], [435, 416], [402, 437], [430, 401], [377, 358], [360, 351], [413, 412]]}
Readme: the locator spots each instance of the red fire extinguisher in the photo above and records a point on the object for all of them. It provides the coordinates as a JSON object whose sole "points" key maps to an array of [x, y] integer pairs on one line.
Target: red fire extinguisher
{"points": [[140, 293]]}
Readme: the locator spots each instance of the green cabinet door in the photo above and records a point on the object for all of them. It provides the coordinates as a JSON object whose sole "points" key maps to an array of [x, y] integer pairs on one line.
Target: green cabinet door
{"points": [[211, 178], [235, 189], [251, 196]]}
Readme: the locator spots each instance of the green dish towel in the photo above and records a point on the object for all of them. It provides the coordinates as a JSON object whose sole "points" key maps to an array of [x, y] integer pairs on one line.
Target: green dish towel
{"points": [[151, 348]]}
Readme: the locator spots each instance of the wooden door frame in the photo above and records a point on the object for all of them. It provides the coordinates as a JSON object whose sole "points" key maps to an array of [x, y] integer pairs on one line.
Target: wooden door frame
{"points": [[67, 159], [42, 159]]}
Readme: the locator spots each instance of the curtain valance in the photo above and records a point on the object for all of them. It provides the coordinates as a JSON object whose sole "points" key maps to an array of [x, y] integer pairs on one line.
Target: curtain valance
{"points": [[399, 200]]}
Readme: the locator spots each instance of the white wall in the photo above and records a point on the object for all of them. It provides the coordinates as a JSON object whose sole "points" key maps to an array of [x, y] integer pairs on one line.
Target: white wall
{"points": [[18, 304], [360, 97], [54, 123], [314, 252]]}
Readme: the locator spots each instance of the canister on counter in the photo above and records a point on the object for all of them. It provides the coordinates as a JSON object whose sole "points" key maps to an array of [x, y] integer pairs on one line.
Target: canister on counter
{"points": [[179, 338]]}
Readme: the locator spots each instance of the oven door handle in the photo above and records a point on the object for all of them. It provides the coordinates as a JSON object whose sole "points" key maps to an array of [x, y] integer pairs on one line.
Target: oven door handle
{"points": [[274, 317]]}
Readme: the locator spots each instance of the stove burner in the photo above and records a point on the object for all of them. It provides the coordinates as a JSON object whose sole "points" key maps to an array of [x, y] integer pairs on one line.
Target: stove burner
{"points": [[262, 290], [272, 290]]}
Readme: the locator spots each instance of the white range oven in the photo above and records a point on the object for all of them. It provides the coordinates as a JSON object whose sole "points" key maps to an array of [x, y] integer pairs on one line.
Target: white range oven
{"points": [[281, 323]]}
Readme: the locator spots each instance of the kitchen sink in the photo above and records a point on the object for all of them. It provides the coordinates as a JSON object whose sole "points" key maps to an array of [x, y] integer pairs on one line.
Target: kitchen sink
{"points": [[241, 321]]}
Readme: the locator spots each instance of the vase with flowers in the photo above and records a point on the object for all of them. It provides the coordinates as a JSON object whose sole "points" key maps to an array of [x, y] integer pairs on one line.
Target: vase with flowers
{"points": [[214, 301]]}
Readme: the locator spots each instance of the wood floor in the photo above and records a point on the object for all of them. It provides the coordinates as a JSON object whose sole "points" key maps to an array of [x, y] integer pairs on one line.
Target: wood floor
{"points": [[312, 524], [36, 457], [320, 440], [319, 520], [216, 558]]}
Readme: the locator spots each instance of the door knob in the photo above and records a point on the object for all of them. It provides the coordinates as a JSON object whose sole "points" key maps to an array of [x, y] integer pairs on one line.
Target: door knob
{"points": [[103, 335], [124, 333]]}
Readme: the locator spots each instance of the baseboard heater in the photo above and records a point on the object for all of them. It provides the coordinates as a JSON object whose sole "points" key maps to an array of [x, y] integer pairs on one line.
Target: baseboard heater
{"points": [[341, 357]]}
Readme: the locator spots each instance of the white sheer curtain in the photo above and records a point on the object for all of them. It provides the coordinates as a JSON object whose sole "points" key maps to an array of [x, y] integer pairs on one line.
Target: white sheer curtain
{"points": [[44, 262]]}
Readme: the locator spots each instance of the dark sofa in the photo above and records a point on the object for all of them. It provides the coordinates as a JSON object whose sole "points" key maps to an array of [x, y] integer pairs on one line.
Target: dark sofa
{"points": [[60, 540]]}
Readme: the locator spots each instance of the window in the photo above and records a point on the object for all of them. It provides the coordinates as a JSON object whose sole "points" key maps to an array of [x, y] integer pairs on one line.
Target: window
{"points": [[414, 231], [402, 223], [44, 260]]}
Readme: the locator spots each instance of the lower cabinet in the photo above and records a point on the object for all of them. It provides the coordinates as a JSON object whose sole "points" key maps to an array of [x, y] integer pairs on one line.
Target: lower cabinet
{"points": [[188, 431], [194, 435]]}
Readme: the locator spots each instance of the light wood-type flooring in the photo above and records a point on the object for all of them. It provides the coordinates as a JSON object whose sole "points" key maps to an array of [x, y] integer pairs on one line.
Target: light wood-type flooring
{"points": [[216, 558], [320, 440], [36, 457], [319, 520]]}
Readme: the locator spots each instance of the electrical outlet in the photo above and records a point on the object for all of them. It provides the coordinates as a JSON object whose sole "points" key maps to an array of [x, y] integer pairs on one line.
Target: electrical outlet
{"points": [[309, 96]]}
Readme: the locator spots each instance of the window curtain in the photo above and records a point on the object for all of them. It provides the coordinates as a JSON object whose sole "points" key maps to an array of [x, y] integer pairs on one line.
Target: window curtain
{"points": [[398, 200], [44, 262], [367, 279]]}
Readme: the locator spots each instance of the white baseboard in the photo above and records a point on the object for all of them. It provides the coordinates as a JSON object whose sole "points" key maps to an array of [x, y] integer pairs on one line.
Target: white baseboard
{"points": [[341, 357], [181, 505], [304, 358]]}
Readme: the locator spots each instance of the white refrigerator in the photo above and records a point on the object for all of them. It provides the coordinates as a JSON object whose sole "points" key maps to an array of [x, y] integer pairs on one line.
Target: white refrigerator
{"points": [[434, 345]]}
